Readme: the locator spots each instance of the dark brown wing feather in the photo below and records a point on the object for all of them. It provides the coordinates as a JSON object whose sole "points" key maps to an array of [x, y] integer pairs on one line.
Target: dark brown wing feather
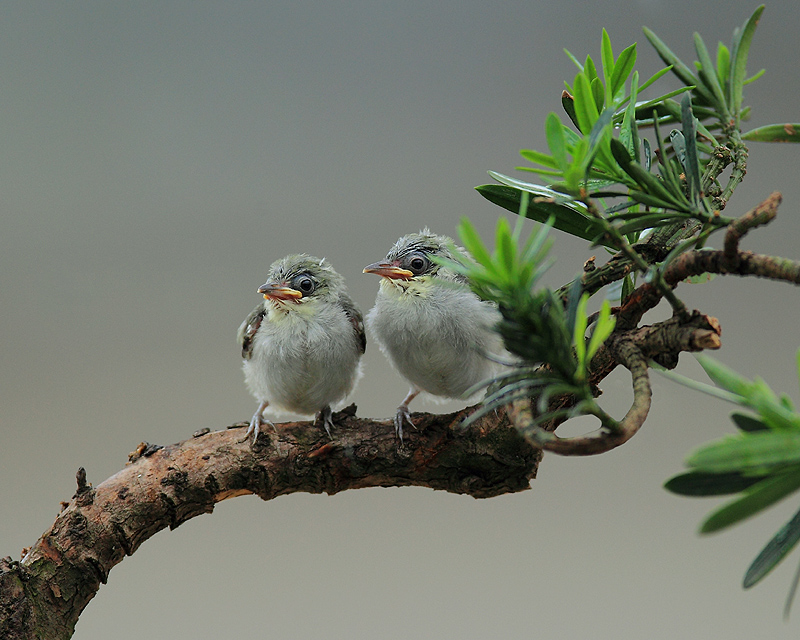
{"points": [[356, 319], [248, 330]]}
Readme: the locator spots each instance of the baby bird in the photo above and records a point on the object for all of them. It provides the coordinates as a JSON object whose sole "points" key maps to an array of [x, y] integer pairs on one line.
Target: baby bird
{"points": [[436, 332], [302, 346]]}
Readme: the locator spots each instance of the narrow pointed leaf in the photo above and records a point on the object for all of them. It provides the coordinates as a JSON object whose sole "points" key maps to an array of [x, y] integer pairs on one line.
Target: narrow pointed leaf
{"points": [[579, 333], [756, 450], [601, 127], [678, 67], [574, 60], [585, 107], [568, 104], [708, 74], [789, 132], [665, 53], [603, 328], [566, 219], [607, 59], [656, 76], [629, 131], [753, 78], [598, 91], [757, 498], [699, 483], [725, 377], [622, 69], [589, 70], [723, 65], [775, 551], [473, 243], [692, 163], [554, 132], [746, 422], [539, 158], [627, 288], [739, 57]]}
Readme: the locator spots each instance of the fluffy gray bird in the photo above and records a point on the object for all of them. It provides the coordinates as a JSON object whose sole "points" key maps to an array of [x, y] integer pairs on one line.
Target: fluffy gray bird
{"points": [[302, 346], [434, 330]]}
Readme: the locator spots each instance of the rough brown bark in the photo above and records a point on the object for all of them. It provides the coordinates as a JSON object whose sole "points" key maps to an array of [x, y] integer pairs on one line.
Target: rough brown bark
{"points": [[42, 595]]}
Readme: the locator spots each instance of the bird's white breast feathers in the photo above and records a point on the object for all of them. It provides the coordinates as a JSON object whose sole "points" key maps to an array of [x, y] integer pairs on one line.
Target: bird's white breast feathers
{"points": [[437, 336], [305, 357]]}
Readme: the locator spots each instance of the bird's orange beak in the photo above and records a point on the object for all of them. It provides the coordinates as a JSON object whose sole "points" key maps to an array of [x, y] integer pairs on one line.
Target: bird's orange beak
{"points": [[389, 270], [278, 292]]}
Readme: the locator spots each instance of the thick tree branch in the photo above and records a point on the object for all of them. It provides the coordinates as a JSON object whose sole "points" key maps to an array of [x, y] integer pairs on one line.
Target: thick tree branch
{"points": [[43, 595]]}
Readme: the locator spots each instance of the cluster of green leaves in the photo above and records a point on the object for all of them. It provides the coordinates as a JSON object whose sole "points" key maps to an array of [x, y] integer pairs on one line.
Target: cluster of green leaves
{"points": [[718, 89], [609, 184], [760, 464], [548, 337], [599, 149]]}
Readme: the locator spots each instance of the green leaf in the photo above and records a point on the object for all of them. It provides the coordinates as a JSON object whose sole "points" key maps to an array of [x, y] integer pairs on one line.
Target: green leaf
{"points": [[607, 59], [746, 422], [473, 243], [585, 106], [692, 164], [646, 180], [739, 55], [789, 132], [723, 64], [554, 131], [579, 334], [747, 81], [600, 130], [504, 247], [574, 60], [539, 158], [708, 75], [756, 498], [775, 551], [656, 76], [678, 146], [756, 450], [646, 221], [650, 201], [568, 104], [627, 288], [699, 483], [598, 91], [724, 377], [566, 218], [629, 131], [603, 328], [622, 69], [678, 67], [589, 70]]}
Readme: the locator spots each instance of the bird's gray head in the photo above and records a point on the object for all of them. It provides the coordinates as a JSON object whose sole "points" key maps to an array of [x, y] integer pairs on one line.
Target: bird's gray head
{"points": [[299, 277], [412, 258]]}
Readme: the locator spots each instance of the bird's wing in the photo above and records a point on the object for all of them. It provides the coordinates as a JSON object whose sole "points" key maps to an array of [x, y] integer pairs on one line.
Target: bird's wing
{"points": [[356, 319], [248, 330]]}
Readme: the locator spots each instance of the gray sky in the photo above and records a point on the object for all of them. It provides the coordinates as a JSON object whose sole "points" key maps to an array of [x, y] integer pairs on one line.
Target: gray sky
{"points": [[158, 156]]}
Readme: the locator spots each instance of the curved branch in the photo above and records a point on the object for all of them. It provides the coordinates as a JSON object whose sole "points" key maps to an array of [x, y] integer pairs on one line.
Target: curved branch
{"points": [[43, 595], [613, 433]]}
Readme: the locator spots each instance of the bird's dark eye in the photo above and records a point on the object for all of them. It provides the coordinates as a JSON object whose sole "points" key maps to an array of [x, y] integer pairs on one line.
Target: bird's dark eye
{"points": [[418, 264], [304, 284]]}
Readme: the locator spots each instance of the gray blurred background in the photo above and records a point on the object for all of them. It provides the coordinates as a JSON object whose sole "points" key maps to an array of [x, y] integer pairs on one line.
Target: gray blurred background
{"points": [[158, 156]]}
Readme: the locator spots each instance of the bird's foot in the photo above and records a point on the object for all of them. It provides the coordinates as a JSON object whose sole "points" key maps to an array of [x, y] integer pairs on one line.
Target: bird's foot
{"points": [[400, 417], [325, 416], [255, 426]]}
